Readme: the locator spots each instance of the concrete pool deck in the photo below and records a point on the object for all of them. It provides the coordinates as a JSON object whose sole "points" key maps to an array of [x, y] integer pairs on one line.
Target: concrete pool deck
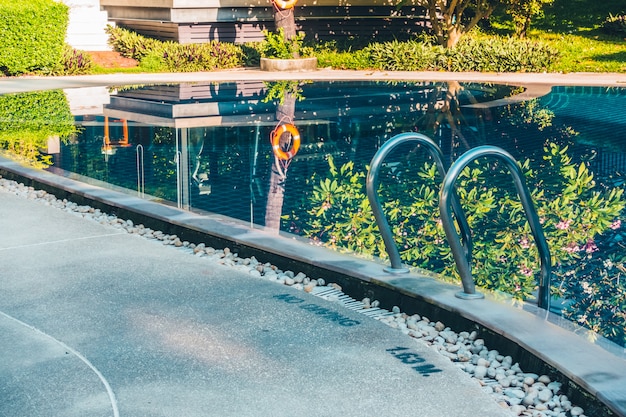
{"points": [[97, 322], [598, 370]]}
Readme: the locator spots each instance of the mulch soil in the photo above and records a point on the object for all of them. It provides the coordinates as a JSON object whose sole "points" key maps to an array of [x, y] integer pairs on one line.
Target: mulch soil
{"points": [[112, 59]]}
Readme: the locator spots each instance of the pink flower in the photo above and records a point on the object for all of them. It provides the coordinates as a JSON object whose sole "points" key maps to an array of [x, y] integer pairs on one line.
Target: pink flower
{"points": [[590, 246], [572, 248], [524, 243], [616, 224], [524, 270], [563, 224]]}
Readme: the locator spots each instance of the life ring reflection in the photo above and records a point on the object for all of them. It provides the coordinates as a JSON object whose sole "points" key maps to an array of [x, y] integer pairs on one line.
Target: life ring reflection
{"points": [[277, 133]]}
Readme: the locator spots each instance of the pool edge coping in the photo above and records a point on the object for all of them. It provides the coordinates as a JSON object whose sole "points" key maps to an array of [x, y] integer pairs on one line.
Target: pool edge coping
{"points": [[32, 83]]}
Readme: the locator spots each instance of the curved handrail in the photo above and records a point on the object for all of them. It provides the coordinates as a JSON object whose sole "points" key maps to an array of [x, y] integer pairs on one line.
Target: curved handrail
{"points": [[447, 191], [372, 184]]}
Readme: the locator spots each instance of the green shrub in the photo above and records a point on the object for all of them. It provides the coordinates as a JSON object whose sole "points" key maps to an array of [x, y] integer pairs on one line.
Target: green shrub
{"points": [[75, 62], [344, 60], [200, 56], [251, 53], [153, 61], [615, 25], [328, 55], [404, 56], [499, 54], [155, 55], [32, 35], [131, 44], [596, 287], [472, 53], [276, 46]]}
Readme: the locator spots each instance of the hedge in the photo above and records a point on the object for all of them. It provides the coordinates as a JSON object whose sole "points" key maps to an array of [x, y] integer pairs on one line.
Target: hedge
{"points": [[32, 35]]}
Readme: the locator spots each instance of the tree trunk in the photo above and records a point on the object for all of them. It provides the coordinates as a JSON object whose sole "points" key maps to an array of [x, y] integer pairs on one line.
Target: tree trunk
{"points": [[437, 26], [525, 27], [453, 37], [285, 113], [274, 204], [285, 19]]}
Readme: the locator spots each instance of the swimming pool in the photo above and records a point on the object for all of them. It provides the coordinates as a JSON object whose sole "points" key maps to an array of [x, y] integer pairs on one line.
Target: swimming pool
{"points": [[207, 147]]}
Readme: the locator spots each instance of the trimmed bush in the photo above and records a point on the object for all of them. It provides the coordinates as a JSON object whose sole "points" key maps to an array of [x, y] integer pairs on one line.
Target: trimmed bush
{"points": [[32, 35], [157, 55], [500, 55], [201, 56], [470, 54], [356, 60], [404, 56], [130, 44], [276, 46]]}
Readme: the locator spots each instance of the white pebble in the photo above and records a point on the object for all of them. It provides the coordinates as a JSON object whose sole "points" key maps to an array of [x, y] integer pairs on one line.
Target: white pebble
{"points": [[480, 372], [554, 386], [545, 379], [576, 411]]}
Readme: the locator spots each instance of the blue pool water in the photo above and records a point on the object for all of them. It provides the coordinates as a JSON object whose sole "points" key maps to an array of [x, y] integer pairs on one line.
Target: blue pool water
{"points": [[208, 147]]}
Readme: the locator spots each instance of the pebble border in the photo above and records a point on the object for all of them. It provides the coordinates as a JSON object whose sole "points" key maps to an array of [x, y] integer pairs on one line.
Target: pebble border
{"points": [[523, 393]]}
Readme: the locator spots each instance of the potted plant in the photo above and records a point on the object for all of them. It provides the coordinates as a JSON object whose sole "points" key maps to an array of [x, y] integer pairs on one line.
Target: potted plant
{"points": [[283, 50]]}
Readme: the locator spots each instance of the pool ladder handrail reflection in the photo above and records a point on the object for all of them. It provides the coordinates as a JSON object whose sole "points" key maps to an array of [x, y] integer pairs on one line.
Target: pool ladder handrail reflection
{"points": [[448, 197], [372, 184], [141, 175]]}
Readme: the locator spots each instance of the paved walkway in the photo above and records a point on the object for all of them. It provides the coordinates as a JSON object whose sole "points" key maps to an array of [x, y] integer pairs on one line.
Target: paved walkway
{"points": [[97, 322]]}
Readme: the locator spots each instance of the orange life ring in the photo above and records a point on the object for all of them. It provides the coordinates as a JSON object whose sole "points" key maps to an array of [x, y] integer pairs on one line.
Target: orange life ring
{"points": [[285, 4], [295, 145]]}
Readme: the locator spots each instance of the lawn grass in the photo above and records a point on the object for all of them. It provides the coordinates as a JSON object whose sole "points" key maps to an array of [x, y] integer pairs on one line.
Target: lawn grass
{"points": [[98, 70], [566, 16], [580, 53], [573, 28]]}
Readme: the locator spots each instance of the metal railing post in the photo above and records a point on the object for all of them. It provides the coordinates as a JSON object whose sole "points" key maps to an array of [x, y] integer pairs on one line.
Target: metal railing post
{"points": [[448, 192]]}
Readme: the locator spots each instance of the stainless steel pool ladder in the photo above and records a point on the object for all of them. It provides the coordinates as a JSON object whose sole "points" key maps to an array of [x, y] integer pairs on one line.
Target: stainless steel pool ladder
{"points": [[448, 197], [372, 184], [461, 246]]}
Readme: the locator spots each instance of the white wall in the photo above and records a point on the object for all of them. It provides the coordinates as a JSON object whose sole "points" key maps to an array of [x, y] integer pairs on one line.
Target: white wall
{"points": [[86, 26]]}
